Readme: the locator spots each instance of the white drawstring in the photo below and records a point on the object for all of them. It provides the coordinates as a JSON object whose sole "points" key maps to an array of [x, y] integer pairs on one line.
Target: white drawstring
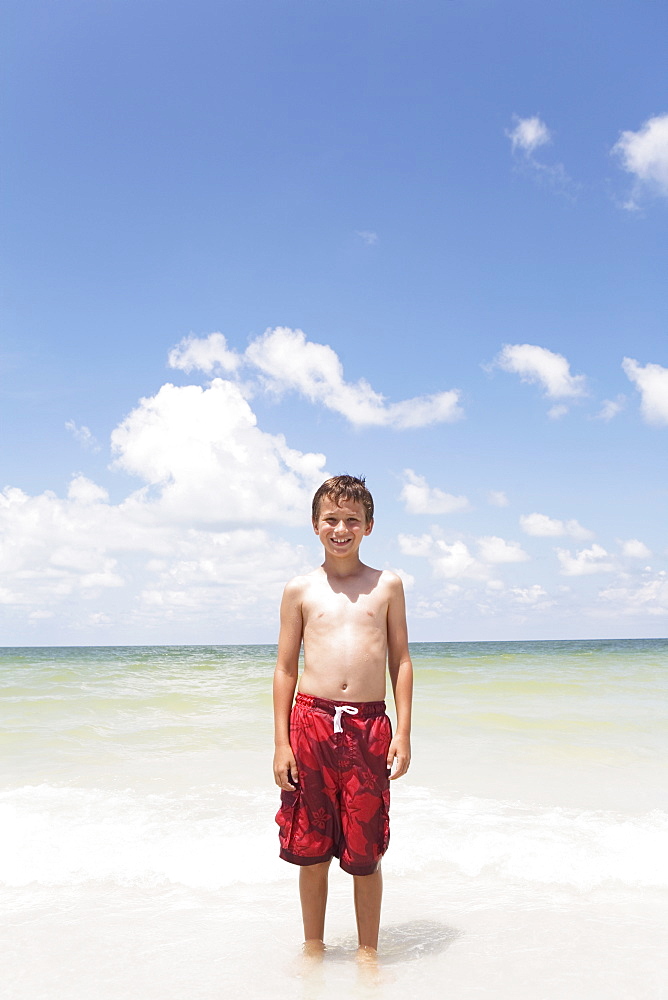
{"points": [[338, 709]]}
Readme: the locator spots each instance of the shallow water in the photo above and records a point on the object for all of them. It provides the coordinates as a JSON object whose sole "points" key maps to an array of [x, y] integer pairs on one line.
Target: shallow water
{"points": [[138, 852]]}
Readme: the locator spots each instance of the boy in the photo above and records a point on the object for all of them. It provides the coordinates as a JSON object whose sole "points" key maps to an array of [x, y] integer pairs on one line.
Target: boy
{"points": [[334, 747]]}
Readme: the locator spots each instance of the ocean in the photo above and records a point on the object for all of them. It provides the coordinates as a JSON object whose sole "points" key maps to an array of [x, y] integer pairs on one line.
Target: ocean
{"points": [[529, 840]]}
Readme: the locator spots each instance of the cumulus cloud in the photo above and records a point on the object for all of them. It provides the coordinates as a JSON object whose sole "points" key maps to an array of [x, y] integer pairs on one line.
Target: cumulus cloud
{"points": [[526, 137], [447, 560], [650, 597], [652, 383], [203, 450], [187, 545], [533, 596], [284, 360], [83, 435], [529, 134], [633, 548], [645, 155], [584, 562], [611, 407], [493, 549], [288, 361], [420, 498], [497, 498], [542, 526], [545, 368], [206, 354]]}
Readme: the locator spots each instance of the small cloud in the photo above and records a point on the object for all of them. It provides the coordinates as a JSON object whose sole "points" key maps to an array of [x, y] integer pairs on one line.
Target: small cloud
{"points": [[531, 596], [447, 560], [652, 384], [367, 236], [645, 155], [420, 498], [529, 134], [557, 411], [204, 354], [584, 562], [542, 526], [635, 549], [497, 498], [493, 549], [543, 367], [611, 407], [83, 436], [288, 361]]}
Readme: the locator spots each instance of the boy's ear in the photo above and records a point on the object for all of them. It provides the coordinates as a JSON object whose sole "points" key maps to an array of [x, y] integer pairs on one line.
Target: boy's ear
{"points": [[367, 530], [315, 526]]}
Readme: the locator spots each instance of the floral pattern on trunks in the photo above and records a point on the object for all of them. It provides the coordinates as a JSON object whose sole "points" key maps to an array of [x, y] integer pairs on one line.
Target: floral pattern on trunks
{"points": [[340, 808]]}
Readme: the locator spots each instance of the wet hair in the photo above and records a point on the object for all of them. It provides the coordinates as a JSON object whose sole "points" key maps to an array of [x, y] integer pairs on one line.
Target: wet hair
{"points": [[340, 488]]}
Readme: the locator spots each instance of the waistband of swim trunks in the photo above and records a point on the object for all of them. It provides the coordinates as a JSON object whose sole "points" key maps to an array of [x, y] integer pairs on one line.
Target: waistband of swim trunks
{"points": [[365, 709]]}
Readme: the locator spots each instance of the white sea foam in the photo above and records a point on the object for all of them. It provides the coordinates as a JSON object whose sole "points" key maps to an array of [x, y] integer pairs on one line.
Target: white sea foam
{"points": [[64, 835]]}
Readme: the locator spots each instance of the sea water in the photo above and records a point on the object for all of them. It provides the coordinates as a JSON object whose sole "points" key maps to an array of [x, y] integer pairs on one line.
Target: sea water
{"points": [[529, 840]]}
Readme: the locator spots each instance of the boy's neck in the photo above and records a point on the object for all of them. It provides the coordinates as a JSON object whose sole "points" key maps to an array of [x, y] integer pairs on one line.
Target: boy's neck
{"points": [[343, 567]]}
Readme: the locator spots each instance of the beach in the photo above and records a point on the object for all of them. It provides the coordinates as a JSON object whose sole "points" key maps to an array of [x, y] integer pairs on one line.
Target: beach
{"points": [[527, 859]]}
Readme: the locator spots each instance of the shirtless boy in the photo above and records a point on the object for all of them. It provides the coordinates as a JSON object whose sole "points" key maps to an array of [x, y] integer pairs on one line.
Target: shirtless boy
{"points": [[334, 747]]}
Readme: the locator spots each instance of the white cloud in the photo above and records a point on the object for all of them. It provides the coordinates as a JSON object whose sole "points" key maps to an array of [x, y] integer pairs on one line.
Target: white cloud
{"points": [[412, 545], [289, 361], [207, 354], [635, 549], [497, 498], [533, 596], [645, 155], [455, 560], [584, 562], [542, 526], [202, 449], [420, 498], [611, 407], [84, 491], [652, 382], [529, 134], [83, 435], [539, 365], [447, 560], [368, 236], [493, 549], [185, 546], [647, 598]]}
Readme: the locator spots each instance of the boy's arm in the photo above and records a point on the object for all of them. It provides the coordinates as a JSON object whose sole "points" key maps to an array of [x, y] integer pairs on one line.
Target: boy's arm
{"points": [[285, 682], [401, 676]]}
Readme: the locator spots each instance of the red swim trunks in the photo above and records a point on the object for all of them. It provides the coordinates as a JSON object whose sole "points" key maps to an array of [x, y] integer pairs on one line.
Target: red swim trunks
{"points": [[340, 807]]}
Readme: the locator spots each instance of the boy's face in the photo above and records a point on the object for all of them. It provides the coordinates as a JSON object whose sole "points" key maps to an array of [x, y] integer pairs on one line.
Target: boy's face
{"points": [[341, 527]]}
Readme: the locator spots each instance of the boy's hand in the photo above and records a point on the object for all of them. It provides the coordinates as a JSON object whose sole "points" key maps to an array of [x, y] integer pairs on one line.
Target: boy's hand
{"points": [[285, 767], [400, 751]]}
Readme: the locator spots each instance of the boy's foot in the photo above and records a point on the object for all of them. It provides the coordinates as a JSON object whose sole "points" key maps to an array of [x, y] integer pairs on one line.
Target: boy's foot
{"points": [[314, 950], [367, 963]]}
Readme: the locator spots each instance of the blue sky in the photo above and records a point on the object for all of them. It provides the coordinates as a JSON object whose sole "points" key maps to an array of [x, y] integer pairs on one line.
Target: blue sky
{"points": [[462, 204]]}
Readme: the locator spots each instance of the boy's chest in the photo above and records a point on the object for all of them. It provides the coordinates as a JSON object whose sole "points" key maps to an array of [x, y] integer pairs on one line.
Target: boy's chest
{"points": [[324, 610]]}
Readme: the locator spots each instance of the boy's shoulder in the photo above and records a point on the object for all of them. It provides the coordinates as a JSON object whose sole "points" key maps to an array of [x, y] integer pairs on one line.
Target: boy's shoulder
{"points": [[298, 584]]}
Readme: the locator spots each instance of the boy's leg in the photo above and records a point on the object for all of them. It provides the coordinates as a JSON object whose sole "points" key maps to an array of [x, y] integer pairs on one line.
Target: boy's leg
{"points": [[313, 896], [368, 897]]}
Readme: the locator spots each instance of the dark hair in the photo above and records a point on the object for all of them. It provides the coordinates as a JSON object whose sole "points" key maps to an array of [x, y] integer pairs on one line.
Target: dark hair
{"points": [[340, 488]]}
